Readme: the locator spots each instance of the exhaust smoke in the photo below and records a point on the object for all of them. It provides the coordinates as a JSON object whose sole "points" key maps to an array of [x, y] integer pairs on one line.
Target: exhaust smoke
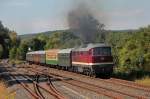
{"points": [[84, 24]]}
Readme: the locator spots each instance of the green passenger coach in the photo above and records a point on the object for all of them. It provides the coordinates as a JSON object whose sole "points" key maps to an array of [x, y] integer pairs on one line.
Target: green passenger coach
{"points": [[52, 57]]}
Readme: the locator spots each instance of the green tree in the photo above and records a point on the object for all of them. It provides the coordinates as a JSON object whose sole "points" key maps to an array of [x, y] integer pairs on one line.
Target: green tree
{"points": [[132, 49], [42, 37], [12, 53], [36, 44], [54, 41], [62, 40], [22, 50], [4, 40], [1, 50], [15, 40]]}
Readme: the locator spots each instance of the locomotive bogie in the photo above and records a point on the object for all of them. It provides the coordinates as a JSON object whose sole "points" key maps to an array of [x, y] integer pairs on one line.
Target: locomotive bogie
{"points": [[103, 69]]}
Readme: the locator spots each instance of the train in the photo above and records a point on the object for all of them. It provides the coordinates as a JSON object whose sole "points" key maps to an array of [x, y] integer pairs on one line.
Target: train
{"points": [[90, 59]]}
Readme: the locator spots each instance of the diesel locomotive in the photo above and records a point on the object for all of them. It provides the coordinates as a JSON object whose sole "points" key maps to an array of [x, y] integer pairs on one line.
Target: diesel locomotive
{"points": [[91, 59]]}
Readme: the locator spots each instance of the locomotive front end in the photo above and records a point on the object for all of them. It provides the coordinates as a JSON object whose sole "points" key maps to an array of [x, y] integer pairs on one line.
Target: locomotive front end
{"points": [[102, 60]]}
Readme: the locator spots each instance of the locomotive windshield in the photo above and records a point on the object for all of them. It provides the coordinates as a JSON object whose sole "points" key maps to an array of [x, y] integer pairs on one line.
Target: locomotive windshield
{"points": [[104, 51]]}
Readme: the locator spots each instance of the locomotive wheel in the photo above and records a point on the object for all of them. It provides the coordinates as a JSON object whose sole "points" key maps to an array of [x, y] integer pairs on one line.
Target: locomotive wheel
{"points": [[92, 74]]}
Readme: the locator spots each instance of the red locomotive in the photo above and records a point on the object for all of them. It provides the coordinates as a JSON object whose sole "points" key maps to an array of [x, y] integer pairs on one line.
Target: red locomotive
{"points": [[93, 59]]}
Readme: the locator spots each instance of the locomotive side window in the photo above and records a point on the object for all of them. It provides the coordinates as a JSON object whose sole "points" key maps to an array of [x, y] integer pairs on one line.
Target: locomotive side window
{"points": [[90, 52], [104, 51]]}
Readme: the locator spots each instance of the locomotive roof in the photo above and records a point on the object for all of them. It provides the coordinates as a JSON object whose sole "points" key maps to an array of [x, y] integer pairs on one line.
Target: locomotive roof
{"points": [[89, 46], [65, 50]]}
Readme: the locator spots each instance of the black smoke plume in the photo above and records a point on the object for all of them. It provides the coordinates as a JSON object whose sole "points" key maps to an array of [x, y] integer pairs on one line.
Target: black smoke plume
{"points": [[84, 24]]}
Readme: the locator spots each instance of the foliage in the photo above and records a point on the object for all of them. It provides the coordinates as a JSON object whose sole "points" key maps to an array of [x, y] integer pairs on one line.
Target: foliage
{"points": [[9, 41], [22, 50], [16, 61], [131, 50], [1, 50], [12, 53], [42, 37], [62, 40], [15, 40], [41, 42], [144, 81], [4, 40], [36, 44]]}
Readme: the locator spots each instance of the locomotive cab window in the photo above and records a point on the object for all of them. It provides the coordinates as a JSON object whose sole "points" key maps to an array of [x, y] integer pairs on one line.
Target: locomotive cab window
{"points": [[104, 51]]}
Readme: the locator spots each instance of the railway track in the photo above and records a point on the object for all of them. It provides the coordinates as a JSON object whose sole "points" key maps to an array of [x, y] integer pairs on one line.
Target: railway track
{"points": [[98, 89], [115, 81], [131, 84], [13, 78], [27, 88], [49, 91], [52, 87], [37, 89], [145, 94], [35, 92], [74, 80]]}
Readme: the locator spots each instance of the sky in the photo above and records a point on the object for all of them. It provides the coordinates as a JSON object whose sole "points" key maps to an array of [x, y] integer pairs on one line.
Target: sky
{"points": [[35, 16]]}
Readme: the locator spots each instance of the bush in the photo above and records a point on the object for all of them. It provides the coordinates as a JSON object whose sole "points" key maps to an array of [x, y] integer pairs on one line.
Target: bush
{"points": [[1, 50], [144, 81], [4, 93], [12, 53]]}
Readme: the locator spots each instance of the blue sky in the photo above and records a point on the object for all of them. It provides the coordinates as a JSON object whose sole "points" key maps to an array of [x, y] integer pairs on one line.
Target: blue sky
{"points": [[34, 16]]}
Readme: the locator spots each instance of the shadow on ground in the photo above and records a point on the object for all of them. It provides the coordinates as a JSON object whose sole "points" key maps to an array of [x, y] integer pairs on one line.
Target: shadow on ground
{"points": [[9, 77]]}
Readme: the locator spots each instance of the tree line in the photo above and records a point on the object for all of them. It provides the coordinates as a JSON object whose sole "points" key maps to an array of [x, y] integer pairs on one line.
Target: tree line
{"points": [[11, 46], [131, 50]]}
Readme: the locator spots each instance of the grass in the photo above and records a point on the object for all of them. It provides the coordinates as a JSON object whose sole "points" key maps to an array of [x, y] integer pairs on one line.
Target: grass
{"points": [[4, 94], [16, 61], [144, 81], [2, 91]]}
